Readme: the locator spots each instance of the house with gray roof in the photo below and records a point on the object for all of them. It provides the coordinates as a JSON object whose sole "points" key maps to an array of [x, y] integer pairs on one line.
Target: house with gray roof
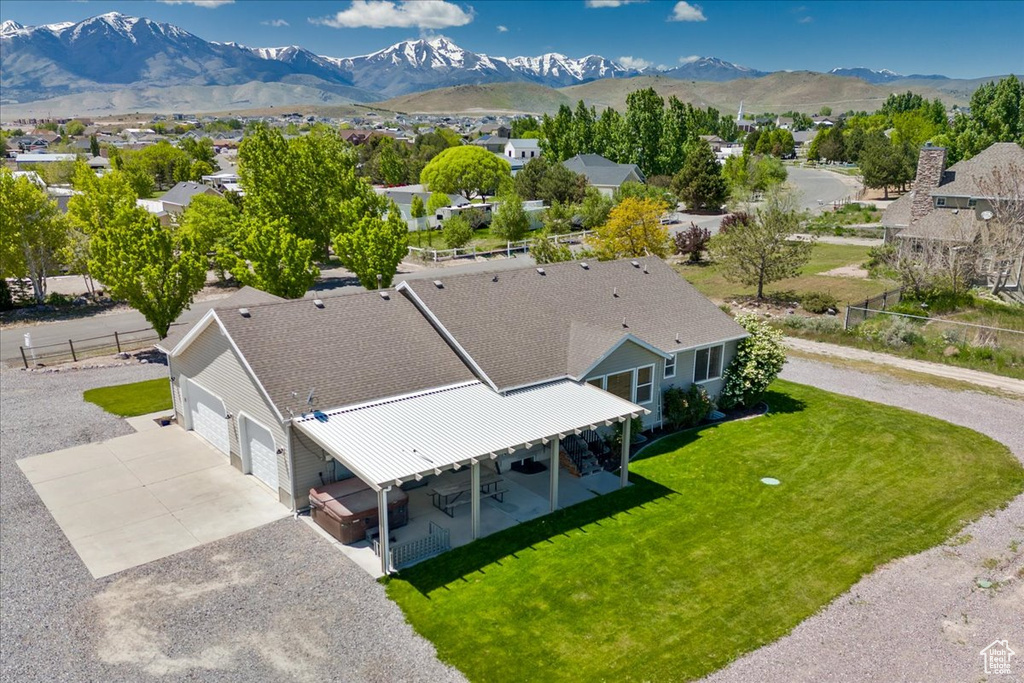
{"points": [[955, 207], [446, 395], [176, 199], [604, 174]]}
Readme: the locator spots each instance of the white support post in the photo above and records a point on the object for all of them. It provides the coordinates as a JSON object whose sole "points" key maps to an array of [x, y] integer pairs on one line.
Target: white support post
{"points": [[554, 465], [626, 439], [384, 541], [474, 493]]}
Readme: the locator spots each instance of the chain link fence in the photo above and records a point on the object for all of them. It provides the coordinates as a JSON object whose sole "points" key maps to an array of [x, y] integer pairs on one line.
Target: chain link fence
{"points": [[857, 312]]}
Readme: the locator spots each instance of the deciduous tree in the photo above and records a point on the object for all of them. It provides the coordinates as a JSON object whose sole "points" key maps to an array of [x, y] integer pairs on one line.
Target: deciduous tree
{"points": [[374, 243], [467, 170], [268, 255], [156, 270], [760, 251], [633, 229], [32, 232], [510, 221], [457, 232]]}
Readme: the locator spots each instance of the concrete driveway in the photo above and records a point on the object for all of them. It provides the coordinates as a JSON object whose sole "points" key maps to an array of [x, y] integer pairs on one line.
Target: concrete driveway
{"points": [[138, 498]]}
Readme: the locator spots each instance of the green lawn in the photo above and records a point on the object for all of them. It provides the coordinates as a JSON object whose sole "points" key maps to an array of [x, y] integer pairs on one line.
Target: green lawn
{"points": [[698, 561], [129, 400], [710, 279]]}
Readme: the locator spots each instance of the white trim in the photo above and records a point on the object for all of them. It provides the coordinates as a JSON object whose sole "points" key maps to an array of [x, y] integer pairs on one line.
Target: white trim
{"points": [[636, 383], [675, 363], [187, 413], [632, 383], [681, 349], [721, 364], [615, 347], [203, 323], [243, 448], [406, 288]]}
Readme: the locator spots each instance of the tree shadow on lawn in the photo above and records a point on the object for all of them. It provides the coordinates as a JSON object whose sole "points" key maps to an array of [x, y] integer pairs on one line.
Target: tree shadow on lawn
{"points": [[505, 546]]}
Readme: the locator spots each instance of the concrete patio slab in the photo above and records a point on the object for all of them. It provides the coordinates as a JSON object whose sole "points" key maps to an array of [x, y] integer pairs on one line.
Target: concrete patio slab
{"points": [[141, 497]]}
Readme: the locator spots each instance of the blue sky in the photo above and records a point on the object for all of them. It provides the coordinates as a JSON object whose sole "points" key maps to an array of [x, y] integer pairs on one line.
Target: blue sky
{"points": [[957, 39]]}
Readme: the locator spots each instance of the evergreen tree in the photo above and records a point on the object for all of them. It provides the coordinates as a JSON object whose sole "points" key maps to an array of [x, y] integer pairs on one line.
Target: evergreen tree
{"points": [[700, 183]]}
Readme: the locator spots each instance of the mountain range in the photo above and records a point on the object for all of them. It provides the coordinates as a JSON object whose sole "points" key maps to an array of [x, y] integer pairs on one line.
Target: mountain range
{"points": [[117, 61]]}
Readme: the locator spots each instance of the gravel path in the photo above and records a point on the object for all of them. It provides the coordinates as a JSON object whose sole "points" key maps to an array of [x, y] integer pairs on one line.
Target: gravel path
{"points": [[920, 618], [273, 604], [985, 379]]}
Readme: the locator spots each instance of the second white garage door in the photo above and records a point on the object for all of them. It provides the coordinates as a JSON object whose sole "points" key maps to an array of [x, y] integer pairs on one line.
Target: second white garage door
{"points": [[209, 419], [259, 451]]}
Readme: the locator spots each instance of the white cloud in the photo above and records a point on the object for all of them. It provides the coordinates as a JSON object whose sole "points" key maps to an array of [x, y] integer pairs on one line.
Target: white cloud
{"points": [[276, 23], [502, 29], [424, 14], [689, 60], [612, 3], [634, 62], [805, 20], [684, 11], [209, 4]]}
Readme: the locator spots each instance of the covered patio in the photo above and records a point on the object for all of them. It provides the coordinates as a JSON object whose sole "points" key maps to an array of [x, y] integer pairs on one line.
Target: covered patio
{"points": [[450, 449]]}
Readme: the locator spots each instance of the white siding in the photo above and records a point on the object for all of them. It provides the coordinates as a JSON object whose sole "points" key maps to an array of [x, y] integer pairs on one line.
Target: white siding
{"points": [[212, 362]]}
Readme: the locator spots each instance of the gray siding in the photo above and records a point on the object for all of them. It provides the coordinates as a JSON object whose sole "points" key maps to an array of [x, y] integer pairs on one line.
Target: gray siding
{"points": [[212, 363], [684, 370], [309, 464], [627, 357]]}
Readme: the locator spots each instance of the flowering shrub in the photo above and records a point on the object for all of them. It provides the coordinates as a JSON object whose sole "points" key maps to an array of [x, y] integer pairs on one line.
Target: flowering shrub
{"points": [[759, 359], [686, 407]]}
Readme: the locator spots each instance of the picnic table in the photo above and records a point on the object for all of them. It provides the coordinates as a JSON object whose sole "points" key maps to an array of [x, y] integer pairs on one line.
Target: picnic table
{"points": [[452, 491]]}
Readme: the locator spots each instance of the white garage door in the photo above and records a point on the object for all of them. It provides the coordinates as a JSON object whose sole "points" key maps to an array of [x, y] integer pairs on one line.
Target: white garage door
{"points": [[260, 451], [208, 417]]}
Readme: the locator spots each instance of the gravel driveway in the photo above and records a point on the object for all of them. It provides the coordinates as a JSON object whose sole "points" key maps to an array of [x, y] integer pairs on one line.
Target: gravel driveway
{"points": [[274, 604], [921, 618]]}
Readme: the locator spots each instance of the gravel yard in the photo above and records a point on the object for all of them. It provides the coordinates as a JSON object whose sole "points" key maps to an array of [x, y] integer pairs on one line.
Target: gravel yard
{"points": [[274, 604], [921, 618]]}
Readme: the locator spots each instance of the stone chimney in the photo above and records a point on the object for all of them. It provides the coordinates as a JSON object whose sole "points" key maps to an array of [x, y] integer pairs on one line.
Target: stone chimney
{"points": [[930, 165]]}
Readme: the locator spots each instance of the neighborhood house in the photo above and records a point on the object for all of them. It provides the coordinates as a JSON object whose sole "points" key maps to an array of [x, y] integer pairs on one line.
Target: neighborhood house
{"points": [[420, 416]]}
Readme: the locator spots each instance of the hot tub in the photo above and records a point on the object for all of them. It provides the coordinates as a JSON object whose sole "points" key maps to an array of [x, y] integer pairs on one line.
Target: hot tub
{"points": [[346, 509]]}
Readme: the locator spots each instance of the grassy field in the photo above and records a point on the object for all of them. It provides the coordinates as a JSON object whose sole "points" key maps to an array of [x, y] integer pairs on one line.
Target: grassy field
{"points": [[698, 561], [129, 400], [710, 279]]}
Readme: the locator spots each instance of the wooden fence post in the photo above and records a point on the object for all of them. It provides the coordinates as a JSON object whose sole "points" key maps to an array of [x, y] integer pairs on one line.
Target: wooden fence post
{"points": [[72, 345], [117, 340], [23, 359]]}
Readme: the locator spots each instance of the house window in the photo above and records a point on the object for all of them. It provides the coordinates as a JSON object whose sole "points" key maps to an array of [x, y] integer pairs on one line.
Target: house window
{"points": [[670, 366], [971, 203], [707, 364], [620, 384], [596, 382], [940, 201], [645, 384]]}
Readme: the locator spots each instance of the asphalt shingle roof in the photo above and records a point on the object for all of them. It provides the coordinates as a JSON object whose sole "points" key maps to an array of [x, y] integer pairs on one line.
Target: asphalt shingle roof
{"points": [[182, 193], [969, 178], [357, 348], [523, 327], [601, 171]]}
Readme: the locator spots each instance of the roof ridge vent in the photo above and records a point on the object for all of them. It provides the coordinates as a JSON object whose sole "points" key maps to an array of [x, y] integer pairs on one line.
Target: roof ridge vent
{"points": [[635, 264], [438, 284], [244, 312], [319, 303], [385, 296], [541, 271], [584, 265]]}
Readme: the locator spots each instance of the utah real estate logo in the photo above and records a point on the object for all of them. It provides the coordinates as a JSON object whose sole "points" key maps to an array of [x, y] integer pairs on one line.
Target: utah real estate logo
{"points": [[997, 657]]}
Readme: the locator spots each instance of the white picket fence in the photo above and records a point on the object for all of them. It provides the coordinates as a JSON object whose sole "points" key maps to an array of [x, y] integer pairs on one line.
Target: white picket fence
{"points": [[521, 246]]}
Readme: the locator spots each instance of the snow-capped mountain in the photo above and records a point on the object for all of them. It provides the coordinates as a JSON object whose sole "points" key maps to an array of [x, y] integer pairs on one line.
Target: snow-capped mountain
{"points": [[113, 52], [116, 50], [879, 76], [711, 69], [869, 75]]}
